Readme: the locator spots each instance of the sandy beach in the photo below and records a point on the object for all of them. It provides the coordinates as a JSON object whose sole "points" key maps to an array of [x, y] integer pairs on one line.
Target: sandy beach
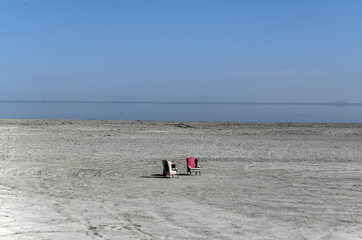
{"points": [[62, 179]]}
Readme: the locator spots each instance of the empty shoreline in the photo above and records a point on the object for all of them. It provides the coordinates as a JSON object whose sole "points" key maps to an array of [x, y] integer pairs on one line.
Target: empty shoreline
{"points": [[84, 179]]}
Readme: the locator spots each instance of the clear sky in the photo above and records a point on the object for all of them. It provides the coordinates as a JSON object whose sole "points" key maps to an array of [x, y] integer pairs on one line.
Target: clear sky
{"points": [[181, 50]]}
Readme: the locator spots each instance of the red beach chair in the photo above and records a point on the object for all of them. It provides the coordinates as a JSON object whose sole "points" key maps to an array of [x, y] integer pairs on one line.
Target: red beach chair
{"points": [[193, 166], [169, 169]]}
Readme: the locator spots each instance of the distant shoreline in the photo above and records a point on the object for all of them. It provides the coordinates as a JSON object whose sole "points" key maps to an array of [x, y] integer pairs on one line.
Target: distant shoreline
{"points": [[338, 112], [180, 124], [185, 102]]}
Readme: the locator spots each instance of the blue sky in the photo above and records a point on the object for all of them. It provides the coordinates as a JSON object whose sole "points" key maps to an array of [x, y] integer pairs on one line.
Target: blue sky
{"points": [[197, 50]]}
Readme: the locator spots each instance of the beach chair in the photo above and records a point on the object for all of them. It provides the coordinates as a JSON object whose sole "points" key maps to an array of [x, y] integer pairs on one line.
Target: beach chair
{"points": [[169, 169], [193, 166]]}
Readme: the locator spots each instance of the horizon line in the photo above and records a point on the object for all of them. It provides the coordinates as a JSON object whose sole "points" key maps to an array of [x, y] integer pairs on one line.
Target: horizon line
{"points": [[184, 102]]}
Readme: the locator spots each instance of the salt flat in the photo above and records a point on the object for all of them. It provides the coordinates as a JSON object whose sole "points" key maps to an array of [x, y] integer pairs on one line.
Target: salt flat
{"points": [[63, 179]]}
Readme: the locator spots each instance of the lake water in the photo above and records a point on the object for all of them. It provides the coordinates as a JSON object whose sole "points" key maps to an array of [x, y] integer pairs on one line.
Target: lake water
{"points": [[230, 112]]}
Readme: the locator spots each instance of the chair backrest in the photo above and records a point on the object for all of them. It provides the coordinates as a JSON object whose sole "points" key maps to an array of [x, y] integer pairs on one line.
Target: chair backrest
{"points": [[166, 166], [191, 162]]}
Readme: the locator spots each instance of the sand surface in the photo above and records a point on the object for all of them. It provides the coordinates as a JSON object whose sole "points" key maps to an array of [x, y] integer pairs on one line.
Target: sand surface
{"points": [[64, 179]]}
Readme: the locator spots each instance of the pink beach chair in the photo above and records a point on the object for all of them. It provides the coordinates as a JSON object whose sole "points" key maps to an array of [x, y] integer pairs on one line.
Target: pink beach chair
{"points": [[169, 169], [193, 166]]}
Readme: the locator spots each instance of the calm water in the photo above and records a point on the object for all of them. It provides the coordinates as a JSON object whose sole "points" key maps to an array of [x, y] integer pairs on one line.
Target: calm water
{"points": [[235, 112]]}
